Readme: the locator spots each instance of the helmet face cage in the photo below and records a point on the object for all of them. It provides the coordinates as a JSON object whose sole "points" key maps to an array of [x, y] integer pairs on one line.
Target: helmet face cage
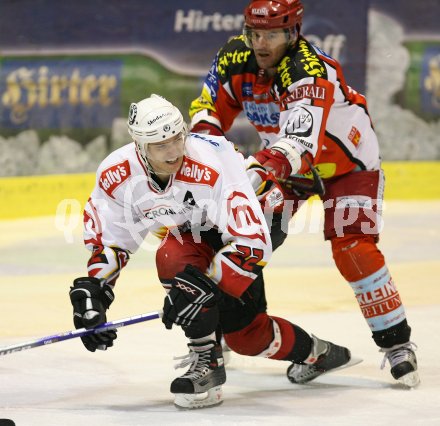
{"points": [[154, 120], [273, 14]]}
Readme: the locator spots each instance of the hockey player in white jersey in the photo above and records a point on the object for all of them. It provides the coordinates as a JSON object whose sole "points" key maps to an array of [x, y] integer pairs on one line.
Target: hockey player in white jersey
{"points": [[192, 191]]}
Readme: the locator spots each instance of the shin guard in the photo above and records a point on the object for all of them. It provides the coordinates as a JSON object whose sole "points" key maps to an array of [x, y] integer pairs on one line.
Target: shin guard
{"points": [[270, 337], [363, 266], [379, 300]]}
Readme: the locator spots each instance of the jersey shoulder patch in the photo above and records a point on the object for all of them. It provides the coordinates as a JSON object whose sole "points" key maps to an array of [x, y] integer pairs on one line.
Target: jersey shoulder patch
{"points": [[195, 172], [114, 176]]}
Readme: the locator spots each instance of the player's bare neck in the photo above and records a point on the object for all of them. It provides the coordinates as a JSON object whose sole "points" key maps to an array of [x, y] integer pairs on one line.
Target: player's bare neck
{"points": [[161, 179]]}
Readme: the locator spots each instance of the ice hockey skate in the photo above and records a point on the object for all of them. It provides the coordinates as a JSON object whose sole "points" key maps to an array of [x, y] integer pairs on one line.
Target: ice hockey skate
{"points": [[200, 386], [403, 363], [324, 357]]}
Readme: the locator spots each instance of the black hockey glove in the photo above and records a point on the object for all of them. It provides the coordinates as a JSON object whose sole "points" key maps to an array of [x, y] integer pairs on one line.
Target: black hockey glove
{"points": [[192, 290], [90, 300]]}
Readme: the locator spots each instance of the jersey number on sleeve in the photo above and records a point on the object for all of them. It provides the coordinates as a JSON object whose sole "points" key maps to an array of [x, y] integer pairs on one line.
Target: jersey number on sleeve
{"points": [[247, 258]]}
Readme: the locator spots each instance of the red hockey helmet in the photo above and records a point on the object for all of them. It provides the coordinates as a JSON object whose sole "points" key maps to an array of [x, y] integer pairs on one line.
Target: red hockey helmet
{"points": [[266, 14]]}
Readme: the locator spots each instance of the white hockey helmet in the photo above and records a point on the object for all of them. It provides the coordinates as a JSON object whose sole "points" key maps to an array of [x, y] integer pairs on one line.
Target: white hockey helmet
{"points": [[154, 120]]}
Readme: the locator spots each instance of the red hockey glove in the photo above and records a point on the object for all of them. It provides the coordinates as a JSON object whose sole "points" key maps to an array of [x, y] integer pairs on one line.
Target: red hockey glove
{"points": [[204, 127], [267, 189], [273, 197], [284, 160], [275, 162]]}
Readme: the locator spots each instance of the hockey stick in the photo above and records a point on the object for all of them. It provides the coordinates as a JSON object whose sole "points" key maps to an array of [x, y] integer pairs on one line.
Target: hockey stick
{"points": [[315, 187], [80, 332]]}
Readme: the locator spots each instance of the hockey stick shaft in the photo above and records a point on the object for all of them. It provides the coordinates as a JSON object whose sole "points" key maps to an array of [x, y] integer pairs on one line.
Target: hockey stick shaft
{"points": [[315, 187], [80, 332]]}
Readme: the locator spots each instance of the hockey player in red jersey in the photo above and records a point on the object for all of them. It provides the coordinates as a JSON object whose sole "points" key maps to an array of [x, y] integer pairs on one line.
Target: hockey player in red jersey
{"points": [[192, 191], [310, 121]]}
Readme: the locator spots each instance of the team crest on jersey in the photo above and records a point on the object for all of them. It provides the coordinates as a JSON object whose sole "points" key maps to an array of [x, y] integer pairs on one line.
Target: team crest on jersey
{"points": [[242, 220], [195, 172], [114, 176], [301, 125]]}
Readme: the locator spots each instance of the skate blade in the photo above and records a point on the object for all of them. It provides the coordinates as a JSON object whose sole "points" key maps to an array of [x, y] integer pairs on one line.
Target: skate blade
{"points": [[353, 361], [410, 380], [213, 396]]}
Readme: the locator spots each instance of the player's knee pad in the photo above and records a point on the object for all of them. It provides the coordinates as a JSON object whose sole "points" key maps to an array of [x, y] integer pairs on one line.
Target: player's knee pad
{"points": [[252, 339], [356, 256], [268, 337], [175, 252]]}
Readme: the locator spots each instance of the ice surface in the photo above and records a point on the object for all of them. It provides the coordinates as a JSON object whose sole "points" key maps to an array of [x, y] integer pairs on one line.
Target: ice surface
{"points": [[63, 384]]}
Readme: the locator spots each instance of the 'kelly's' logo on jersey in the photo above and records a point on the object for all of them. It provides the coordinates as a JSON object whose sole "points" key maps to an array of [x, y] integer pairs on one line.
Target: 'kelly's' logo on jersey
{"points": [[194, 172], [114, 176]]}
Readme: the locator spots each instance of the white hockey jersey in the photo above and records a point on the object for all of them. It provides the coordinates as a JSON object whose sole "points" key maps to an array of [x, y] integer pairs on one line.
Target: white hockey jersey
{"points": [[210, 190]]}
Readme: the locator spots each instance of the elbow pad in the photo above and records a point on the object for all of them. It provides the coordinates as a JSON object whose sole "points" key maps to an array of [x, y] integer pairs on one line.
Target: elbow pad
{"points": [[106, 263]]}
